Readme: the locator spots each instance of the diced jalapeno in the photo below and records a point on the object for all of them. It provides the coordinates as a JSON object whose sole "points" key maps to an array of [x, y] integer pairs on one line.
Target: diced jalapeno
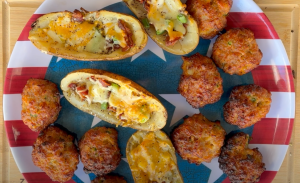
{"points": [[145, 22], [181, 18], [115, 86], [104, 106], [159, 32]]}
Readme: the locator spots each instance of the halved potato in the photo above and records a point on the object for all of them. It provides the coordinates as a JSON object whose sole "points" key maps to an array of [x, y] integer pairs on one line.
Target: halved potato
{"points": [[83, 35], [114, 98], [151, 158], [165, 21]]}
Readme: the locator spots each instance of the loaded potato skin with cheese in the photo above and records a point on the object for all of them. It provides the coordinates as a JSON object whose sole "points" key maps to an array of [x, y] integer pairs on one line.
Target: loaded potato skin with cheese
{"points": [[92, 36], [55, 153], [99, 150], [167, 23], [151, 158], [114, 98]]}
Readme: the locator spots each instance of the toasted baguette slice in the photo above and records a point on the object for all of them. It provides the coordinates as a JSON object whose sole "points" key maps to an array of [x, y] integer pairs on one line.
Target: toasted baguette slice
{"points": [[168, 10], [151, 158], [114, 98], [91, 36]]}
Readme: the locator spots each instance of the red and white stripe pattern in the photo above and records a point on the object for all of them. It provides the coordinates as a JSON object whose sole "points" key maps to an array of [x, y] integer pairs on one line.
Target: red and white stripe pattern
{"points": [[272, 134]]}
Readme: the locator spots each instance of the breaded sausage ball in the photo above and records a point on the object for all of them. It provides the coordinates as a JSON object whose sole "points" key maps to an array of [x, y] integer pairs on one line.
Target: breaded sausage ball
{"points": [[236, 51], [40, 104], [198, 139], [109, 179], [240, 163], [55, 153], [99, 150], [200, 82], [210, 15], [247, 105]]}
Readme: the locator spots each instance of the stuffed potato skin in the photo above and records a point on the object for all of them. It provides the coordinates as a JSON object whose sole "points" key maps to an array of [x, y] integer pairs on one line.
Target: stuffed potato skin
{"points": [[247, 105], [109, 179], [40, 104], [236, 51], [236, 155], [78, 39], [200, 82], [99, 150], [198, 139], [56, 154], [209, 15]]}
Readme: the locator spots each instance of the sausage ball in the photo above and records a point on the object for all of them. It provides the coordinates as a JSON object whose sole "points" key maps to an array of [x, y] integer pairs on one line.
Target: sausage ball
{"points": [[210, 15], [40, 104], [198, 139], [200, 82], [55, 153], [247, 105], [99, 150], [236, 51], [109, 179], [240, 163]]}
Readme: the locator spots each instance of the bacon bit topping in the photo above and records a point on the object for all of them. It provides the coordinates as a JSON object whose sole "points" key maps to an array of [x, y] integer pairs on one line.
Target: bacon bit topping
{"points": [[82, 91], [93, 78], [128, 33], [171, 42], [72, 86], [81, 88], [77, 16], [146, 5], [103, 82], [111, 108]]}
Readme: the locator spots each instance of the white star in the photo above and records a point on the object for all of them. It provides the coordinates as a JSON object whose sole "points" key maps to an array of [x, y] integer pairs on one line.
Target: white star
{"points": [[81, 174], [125, 159], [152, 46], [58, 59], [96, 120], [61, 96], [216, 172], [182, 107]]}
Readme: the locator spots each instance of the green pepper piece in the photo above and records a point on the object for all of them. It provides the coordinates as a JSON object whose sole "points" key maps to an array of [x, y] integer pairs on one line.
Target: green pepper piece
{"points": [[104, 106], [159, 32], [115, 86], [145, 22], [181, 18]]}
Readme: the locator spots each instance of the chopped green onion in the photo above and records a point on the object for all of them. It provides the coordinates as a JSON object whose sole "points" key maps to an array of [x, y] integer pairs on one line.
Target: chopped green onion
{"points": [[143, 120], [115, 41], [253, 99], [159, 32], [104, 106], [229, 42], [145, 22], [168, 21], [181, 18], [115, 86]]}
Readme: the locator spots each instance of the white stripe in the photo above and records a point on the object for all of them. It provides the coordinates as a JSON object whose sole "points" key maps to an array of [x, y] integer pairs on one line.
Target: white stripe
{"points": [[273, 155], [25, 54], [70, 5], [273, 51], [283, 105], [23, 158], [12, 106], [245, 6]]}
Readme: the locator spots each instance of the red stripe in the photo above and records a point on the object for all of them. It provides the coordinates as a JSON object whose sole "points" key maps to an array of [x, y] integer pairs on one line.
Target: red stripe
{"points": [[16, 78], [19, 134], [265, 177], [38, 177], [272, 131], [257, 22], [274, 78], [25, 32]]}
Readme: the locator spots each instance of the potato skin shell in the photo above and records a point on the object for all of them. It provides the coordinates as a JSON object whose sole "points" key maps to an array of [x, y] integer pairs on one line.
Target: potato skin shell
{"points": [[236, 155], [40, 104], [56, 154], [99, 150], [200, 82], [247, 105], [236, 51], [198, 139]]}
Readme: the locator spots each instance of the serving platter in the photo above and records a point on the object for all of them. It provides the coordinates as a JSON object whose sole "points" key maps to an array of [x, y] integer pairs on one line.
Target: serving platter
{"points": [[158, 71]]}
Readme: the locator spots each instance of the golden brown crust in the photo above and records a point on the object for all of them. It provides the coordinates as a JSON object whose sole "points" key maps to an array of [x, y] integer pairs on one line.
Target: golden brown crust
{"points": [[240, 163], [109, 179], [236, 51], [209, 15], [200, 82], [40, 104], [198, 139], [56, 154], [247, 105], [99, 150]]}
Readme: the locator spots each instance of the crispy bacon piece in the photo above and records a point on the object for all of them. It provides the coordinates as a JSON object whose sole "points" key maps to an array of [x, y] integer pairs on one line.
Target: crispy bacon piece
{"points": [[103, 82], [146, 5], [73, 86], [128, 33], [77, 16], [171, 42], [111, 108]]}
